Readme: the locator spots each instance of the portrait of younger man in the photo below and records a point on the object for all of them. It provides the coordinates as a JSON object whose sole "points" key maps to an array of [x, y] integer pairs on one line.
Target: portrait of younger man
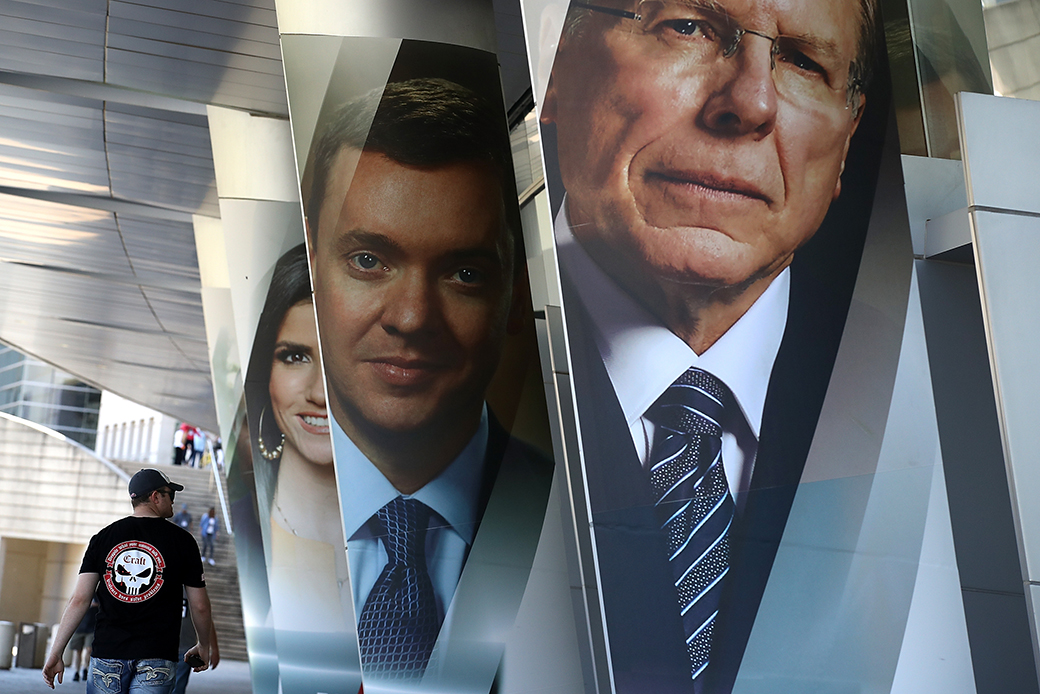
{"points": [[416, 263], [700, 145]]}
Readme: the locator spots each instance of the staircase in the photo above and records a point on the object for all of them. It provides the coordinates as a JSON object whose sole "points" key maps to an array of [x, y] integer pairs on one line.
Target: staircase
{"points": [[200, 493]]}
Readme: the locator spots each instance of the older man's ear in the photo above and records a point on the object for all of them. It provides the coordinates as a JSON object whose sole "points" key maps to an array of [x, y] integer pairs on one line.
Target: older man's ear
{"points": [[848, 140], [548, 114]]}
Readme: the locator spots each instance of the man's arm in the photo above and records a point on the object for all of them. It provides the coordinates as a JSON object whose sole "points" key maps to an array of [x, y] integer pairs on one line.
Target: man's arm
{"points": [[214, 649], [202, 619], [70, 619]]}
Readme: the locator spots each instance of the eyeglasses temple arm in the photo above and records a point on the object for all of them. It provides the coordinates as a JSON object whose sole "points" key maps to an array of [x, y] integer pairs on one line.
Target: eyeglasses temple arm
{"points": [[624, 14]]}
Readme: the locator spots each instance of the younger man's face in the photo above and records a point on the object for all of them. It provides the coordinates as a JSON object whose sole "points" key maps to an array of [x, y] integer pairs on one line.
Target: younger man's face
{"points": [[413, 284]]}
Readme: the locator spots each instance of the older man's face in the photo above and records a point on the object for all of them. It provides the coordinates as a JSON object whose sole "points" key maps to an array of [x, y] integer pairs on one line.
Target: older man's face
{"points": [[703, 171]]}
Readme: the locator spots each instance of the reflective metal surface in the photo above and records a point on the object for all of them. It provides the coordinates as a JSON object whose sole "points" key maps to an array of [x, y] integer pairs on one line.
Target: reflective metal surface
{"points": [[105, 156], [1013, 35], [1000, 166]]}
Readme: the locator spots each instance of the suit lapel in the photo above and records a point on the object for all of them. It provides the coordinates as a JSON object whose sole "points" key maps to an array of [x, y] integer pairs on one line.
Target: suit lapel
{"points": [[636, 581], [797, 387], [644, 628], [483, 610]]}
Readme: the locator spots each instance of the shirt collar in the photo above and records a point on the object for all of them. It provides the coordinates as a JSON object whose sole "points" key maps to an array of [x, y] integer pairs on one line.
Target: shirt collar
{"points": [[629, 338], [454, 494]]}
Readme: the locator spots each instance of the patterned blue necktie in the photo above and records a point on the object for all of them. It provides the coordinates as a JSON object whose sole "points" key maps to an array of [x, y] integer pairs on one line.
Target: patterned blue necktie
{"points": [[399, 623], [694, 504]]}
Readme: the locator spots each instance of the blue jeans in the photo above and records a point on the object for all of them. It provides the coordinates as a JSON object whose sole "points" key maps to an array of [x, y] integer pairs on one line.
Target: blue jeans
{"points": [[207, 543], [148, 676], [182, 673]]}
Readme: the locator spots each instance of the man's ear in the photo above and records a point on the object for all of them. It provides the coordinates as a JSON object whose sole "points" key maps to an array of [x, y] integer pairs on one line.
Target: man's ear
{"points": [[311, 239], [548, 114], [848, 141], [553, 17], [859, 116]]}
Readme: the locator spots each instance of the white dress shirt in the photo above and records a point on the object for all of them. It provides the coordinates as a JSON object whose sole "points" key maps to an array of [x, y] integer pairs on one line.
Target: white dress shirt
{"points": [[454, 496], [643, 357]]}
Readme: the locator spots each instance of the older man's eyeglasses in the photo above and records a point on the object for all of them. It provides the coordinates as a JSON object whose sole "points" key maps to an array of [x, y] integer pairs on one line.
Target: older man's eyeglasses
{"points": [[168, 492], [806, 70]]}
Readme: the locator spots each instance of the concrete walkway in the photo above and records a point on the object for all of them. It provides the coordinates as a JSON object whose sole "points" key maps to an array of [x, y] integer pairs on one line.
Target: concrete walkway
{"points": [[230, 677]]}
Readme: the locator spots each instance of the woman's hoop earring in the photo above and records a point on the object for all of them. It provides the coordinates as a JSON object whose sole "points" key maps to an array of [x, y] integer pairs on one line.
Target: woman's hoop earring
{"points": [[268, 455]]}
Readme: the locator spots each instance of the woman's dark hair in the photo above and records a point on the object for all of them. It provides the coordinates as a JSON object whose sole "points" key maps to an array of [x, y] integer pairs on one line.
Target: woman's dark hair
{"points": [[290, 284]]}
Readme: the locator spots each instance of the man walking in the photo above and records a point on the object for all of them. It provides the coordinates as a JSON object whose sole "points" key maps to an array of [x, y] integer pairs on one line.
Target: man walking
{"points": [[208, 526], [137, 567]]}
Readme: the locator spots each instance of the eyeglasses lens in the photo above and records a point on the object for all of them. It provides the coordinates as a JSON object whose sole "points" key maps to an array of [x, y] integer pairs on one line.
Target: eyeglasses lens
{"points": [[697, 35]]}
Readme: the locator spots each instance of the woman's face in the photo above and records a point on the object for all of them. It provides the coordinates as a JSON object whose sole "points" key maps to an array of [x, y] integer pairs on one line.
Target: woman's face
{"points": [[297, 393]]}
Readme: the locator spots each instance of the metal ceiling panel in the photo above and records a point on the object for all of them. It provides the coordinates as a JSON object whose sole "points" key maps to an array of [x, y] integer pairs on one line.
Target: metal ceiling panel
{"points": [[206, 83], [259, 12], [52, 38], [220, 58], [41, 233], [109, 333], [96, 7], [204, 50], [177, 313], [77, 295], [161, 250], [185, 35], [56, 143], [161, 158], [178, 22]]}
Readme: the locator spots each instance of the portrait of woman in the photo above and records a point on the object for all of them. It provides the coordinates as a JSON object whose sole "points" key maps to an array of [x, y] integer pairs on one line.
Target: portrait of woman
{"points": [[296, 489]]}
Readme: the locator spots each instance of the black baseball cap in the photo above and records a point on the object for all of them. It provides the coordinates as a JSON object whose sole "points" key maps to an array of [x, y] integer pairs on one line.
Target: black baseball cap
{"points": [[148, 480]]}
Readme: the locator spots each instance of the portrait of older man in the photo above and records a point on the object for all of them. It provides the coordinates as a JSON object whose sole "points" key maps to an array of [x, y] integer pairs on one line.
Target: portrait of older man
{"points": [[700, 145], [414, 255]]}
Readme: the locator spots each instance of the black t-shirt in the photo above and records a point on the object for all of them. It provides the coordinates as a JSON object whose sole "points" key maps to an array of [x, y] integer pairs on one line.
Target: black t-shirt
{"points": [[143, 564]]}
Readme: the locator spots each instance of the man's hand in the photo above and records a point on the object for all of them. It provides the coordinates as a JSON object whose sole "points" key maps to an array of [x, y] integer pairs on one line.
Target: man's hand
{"points": [[201, 654], [54, 668], [82, 594], [198, 602], [214, 650]]}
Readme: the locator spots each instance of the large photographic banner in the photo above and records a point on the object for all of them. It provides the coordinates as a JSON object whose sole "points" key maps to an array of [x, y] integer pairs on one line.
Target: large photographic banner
{"points": [[437, 406], [288, 531], [298, 509], [759, 464], [259, 206]]}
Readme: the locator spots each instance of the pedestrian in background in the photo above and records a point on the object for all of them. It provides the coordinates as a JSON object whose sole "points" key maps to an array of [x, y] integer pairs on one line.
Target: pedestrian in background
{"points": [[208, 527], [183, 518]]}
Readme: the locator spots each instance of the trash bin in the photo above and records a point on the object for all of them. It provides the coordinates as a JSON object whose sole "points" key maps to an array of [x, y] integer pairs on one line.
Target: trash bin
{"points": [[7, 632], [43, 642], [32, 645], [26, 645]]}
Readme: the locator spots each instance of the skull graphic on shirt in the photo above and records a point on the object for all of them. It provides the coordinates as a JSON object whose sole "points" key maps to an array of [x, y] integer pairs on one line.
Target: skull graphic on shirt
{"points": [[135, 571]]}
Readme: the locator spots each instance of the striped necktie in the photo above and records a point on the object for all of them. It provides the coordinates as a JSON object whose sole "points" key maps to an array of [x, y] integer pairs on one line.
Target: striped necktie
{"points": [[694, 505], [399, 623]]}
